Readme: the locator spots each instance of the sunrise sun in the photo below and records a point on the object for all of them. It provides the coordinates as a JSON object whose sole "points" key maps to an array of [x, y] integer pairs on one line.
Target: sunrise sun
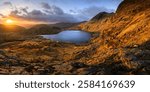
{"points": [[9, 21]]}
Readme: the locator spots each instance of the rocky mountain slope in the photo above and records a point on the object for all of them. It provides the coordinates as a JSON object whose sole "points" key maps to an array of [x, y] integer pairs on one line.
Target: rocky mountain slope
{"points": [[124, 39], [130, 20]]}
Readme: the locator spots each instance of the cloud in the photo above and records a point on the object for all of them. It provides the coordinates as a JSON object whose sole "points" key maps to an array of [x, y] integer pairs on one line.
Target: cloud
{"points": [[15, 12], [41, 16], [45, 5], [72, 11], [1, 15], [7, 3], [36, 13], [47, 14], [24, 10], [52, 9]]}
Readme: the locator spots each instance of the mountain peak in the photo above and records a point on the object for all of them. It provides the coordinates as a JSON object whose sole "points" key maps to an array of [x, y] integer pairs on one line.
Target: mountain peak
{"points": [[101, 15]]}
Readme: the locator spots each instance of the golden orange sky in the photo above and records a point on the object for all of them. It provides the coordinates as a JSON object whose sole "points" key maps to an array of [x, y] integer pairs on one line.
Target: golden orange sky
{"points": [[20, 22]]}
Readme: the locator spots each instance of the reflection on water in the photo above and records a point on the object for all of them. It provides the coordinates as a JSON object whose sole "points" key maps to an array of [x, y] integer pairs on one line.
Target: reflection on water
{"points": [[71, 36]]}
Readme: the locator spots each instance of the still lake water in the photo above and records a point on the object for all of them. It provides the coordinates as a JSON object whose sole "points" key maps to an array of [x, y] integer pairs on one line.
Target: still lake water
{"points": [[70, 36]]}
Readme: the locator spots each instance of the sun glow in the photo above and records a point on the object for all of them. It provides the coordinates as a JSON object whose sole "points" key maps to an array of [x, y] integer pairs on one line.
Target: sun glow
{"points": [[9, 21]]}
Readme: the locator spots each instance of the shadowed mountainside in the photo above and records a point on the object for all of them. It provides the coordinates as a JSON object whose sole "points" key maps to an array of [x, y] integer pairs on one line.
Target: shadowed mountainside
{"points": [[101, 15], [42, 29], [10, 33], [10, 28]]}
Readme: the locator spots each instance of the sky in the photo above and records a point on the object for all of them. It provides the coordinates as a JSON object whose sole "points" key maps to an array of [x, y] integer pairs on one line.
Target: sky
{"points": [[26, 12]]}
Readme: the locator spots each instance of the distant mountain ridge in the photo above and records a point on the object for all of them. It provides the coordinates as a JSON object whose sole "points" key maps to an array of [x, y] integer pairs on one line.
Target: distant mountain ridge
{"points": [[49, 28], [11, 28], [42, 29], [38, 29]]}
